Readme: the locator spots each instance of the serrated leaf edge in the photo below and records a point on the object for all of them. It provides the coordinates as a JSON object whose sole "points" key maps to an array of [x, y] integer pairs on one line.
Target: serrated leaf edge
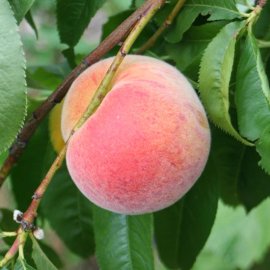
{"points": [[21, 124], [231, 130]]}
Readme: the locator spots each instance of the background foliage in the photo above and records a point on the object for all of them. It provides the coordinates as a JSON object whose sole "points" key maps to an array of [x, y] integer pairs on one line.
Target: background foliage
{"points": [[223, 47]]}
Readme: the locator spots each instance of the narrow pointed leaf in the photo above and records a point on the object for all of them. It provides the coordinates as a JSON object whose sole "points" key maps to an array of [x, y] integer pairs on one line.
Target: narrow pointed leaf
{"points": [[29, 18], [40, 258], [26, 176], [123, 242], [22, 265], [20, 8], [228, 154], [12, 78], [252, 92], [254, 183], [215, 74], [182, 229], [182, 24], [73, 17], [71, 217]]}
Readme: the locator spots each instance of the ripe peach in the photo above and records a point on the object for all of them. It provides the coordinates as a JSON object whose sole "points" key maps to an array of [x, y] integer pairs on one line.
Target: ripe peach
{"points": [[146, 144], [54, 128]]}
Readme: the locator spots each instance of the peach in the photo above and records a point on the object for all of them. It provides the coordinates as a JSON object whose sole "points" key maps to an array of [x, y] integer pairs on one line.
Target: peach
{"points": [[146, 144], [54, 128]]}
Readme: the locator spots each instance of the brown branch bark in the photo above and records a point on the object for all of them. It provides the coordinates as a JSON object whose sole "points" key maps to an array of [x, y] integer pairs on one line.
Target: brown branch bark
{"points": [[38, 115], [31, 213]]}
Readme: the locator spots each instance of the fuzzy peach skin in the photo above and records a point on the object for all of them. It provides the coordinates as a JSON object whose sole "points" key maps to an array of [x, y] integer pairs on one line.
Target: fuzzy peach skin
{"points": [[146, 144]]}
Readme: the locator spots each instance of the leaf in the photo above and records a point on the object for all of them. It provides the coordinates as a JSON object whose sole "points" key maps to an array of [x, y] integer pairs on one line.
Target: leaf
{"points": [[51, 254], [7, 224], [188, 53], [183, 23], [231, 235], [73, 17], [182, 229], [218, 10], [12, 78], [262, 27], [241, 180], [123, 242], [215, 74], [252, 92], [20, 8], [263, 148], [29, 172], [39, 257], [45, 77], [71, 217], [228, 154], [22, 265], [254, 183], [29, 18], [70, 56]]}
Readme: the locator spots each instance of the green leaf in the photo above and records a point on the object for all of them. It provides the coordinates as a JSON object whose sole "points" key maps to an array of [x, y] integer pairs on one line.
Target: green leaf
{"points": [[39, 257], [70, 56], [123, 242], [45, 77], [73, 17], [263, 148], [228, 154], [7, 224], [252, 92], [254, 183], [71, 217], [29, 18], [22, 265], [218, 10], [51, 254], [241, 180], [182, 24], [262, 26], [236, 231], [20, 8], [29, 172], [188, 53], [215, 74], [12, 78], [182, 229]]}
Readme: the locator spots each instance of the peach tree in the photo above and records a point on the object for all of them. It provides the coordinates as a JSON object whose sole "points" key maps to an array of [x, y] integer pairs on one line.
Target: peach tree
{"points": [[223, 50]]}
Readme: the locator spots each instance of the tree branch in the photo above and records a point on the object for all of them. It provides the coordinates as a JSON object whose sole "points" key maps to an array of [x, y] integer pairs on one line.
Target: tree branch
{"points": [[261, 3], [38, 115], [152, 40], [105, 86]]}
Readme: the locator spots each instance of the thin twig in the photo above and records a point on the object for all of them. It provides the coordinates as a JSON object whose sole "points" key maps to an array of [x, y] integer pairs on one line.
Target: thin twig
{"points": [[7, 234], [263, 43], [152, 40], [261, 3], [105, 86], [38, 115]]}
